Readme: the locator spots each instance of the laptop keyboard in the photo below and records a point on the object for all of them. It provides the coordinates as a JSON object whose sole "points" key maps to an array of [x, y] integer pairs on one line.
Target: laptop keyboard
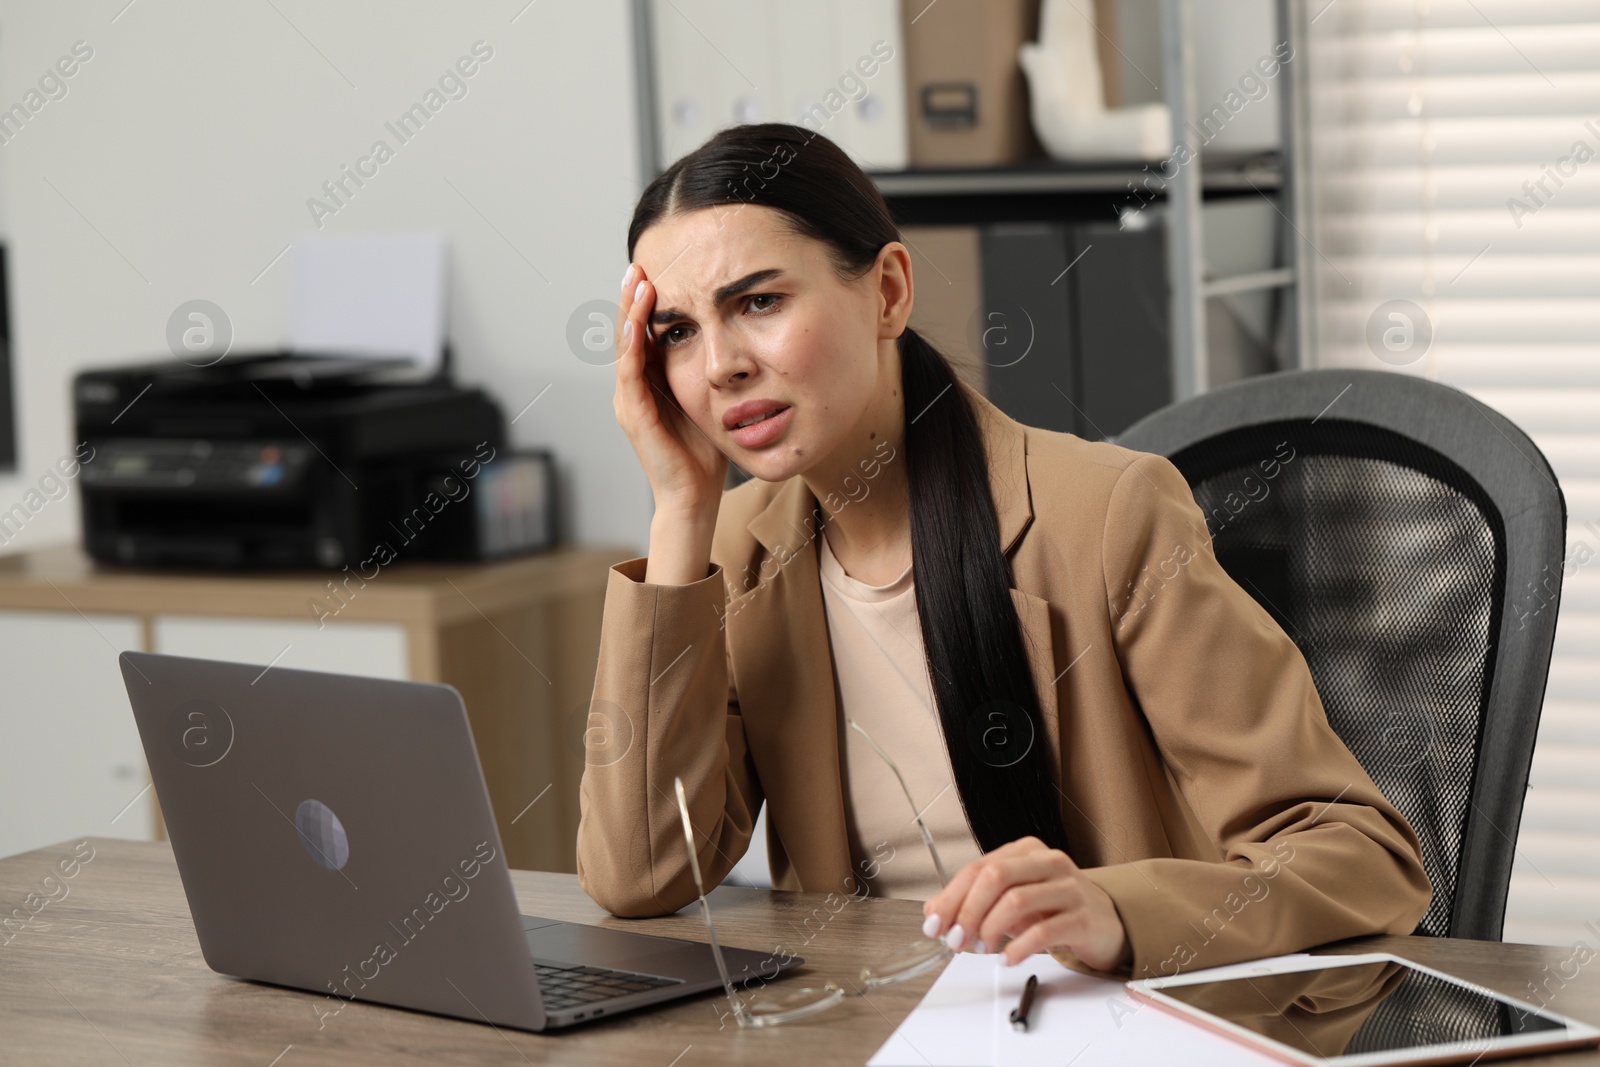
{"points": [[564, 986]]}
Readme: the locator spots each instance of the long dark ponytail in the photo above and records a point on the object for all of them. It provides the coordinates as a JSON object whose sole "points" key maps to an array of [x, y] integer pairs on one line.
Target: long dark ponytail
{"points": [[988, 706]]}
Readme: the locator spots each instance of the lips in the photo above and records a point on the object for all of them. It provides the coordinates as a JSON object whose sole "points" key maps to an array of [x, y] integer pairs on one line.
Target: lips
{"points": [[752, 420], [749, 412], [761, 427]]}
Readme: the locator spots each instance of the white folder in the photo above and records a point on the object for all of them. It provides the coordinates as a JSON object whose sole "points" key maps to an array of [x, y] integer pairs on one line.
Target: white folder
{"points": [[873, 129], [724, 62], [714, 69]]}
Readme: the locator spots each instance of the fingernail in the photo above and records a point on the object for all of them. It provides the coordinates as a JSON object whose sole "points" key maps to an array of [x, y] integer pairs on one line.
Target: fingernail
{"points": [[627, 331], [979, 947], [627, 276], [930, 926], [639, 291], [955, 938]]}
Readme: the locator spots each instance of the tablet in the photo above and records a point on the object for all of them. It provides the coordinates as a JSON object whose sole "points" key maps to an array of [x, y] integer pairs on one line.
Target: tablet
{"points": [[1356, 1011]]}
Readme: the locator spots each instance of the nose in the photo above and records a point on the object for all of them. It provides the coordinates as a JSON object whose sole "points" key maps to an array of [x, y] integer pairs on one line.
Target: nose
{"points": [[727, 360]]}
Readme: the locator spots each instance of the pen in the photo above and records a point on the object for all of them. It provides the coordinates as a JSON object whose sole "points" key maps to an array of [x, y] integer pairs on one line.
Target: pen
{"points": [[1019, 1014]]}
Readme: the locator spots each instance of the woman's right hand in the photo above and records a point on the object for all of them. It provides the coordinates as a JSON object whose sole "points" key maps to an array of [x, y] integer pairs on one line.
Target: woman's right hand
{"points": [[685, 469]]}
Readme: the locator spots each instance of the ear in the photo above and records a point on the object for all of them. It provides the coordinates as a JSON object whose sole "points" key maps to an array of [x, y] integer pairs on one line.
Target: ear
{"points": [[895, 289]]}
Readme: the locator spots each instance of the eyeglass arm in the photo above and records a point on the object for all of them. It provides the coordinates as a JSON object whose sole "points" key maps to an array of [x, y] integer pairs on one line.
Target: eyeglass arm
{"points": [[705, 905], [922, 827]]}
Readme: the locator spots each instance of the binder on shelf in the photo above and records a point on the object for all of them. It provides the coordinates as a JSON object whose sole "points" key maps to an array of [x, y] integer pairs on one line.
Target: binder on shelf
{"points": [[712, 70], [805, 67], [1125, 367], [1075, 324], [834, 66], [1026, 332], [966, 91], [947, 279], [869, 70]]}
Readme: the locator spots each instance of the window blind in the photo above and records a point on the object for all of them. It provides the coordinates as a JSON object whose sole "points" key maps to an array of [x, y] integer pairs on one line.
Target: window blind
{"points": [[1455, 183]]}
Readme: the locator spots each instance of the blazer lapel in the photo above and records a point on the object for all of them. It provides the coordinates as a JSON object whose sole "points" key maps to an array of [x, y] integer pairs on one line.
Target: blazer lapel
{"points": [[1033, 612], [778, 638], [1005, 442], [1006, 445]]}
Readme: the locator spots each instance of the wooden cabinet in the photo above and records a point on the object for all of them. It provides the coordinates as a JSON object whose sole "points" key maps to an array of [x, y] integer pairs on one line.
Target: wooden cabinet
{"points": [[518, 639]]}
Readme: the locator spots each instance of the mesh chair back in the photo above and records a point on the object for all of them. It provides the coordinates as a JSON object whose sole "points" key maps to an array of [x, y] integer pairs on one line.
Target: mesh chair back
{"points": [[1388, 524]]}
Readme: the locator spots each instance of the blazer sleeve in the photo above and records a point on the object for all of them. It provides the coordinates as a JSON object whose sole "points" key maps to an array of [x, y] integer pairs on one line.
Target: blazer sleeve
{"points": [[1310, 850], [663, 691]]}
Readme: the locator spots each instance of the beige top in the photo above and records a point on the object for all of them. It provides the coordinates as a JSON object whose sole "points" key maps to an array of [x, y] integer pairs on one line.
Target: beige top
{"points": [[881, 681]]}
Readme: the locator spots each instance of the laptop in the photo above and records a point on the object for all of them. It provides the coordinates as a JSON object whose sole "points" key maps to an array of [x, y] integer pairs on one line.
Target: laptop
{"points": [[334, 834]]}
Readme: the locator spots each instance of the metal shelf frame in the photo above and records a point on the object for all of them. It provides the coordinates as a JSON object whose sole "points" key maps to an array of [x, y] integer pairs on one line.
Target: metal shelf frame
{"points": [[1186, 268]]}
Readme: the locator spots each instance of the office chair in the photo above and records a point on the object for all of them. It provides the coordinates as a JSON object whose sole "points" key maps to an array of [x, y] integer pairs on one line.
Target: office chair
{"points": [[1410, 540]]}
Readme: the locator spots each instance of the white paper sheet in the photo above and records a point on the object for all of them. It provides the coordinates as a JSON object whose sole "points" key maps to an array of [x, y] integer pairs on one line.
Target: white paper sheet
{"points": [[1077, 1019], [379, 295]]}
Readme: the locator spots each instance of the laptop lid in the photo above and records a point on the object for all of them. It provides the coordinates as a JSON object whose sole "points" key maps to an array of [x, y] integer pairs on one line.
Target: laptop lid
{"points": [[334, 834]]}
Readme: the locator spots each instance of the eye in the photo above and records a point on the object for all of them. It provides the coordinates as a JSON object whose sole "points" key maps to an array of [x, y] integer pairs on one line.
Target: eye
{"points": [[666, 339], [774, 297]]}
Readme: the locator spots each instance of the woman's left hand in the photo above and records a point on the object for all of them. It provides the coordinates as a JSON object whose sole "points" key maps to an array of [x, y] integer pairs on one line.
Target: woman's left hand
{"points": [[1037, 895]]}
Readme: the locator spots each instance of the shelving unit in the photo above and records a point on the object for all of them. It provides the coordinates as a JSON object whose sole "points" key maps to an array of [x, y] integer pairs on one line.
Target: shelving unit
{"points": [[1047, 190], [1224, 173], [1054, 190]]}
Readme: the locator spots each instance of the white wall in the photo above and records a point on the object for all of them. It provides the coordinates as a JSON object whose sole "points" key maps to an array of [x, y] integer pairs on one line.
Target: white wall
{"points": [[180, 161]]}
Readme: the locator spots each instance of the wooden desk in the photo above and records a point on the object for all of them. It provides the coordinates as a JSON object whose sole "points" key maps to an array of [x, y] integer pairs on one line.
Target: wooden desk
{"points": [[518, 638], [113, 974]]}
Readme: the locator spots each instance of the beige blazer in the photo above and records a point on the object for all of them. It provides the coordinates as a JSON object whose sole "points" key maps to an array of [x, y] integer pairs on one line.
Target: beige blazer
{"points": [[1200, 784]]}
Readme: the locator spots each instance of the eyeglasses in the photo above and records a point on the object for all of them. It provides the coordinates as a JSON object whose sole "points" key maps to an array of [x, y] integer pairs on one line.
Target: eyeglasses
{"points": [[767, 1008]]}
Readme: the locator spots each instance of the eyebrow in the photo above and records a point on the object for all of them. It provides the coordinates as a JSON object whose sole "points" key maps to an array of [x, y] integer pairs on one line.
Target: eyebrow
{"points": [[663, 317]]}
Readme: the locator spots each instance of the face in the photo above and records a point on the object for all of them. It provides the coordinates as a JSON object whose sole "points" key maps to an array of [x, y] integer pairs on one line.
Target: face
{"points": [[750, 318]]}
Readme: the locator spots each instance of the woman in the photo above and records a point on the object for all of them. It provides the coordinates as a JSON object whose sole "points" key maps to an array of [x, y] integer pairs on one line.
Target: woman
{"points": [[1136, 771]]}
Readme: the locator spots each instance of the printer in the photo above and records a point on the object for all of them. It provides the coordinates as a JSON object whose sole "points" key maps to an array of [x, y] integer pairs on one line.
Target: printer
{"points": [[278, 460]]}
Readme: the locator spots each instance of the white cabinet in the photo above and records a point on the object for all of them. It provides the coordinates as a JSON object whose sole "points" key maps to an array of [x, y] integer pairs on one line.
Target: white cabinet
{"points": [[70, 763], [374, 649]]}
